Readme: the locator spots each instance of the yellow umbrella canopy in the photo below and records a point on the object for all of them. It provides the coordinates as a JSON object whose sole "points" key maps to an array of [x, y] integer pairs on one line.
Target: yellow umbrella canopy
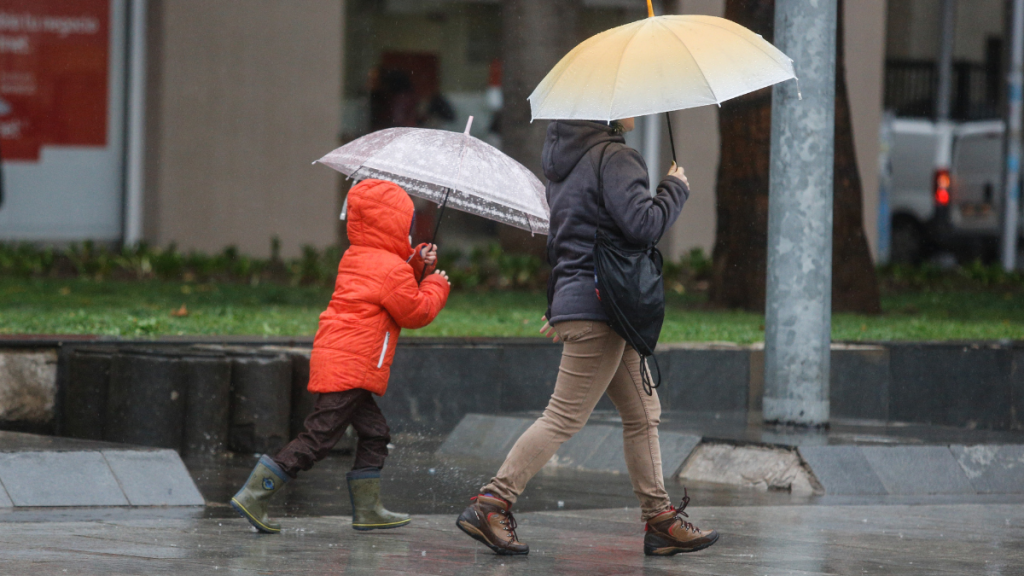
{"points": [[658, 64]]}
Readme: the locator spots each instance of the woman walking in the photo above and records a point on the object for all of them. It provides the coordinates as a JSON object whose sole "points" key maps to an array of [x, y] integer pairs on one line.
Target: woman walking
{"points": [[596, 183]]}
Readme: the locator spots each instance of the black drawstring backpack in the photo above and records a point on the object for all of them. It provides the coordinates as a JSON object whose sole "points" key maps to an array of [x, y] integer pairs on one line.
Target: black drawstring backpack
{"points": [[630, 287]]}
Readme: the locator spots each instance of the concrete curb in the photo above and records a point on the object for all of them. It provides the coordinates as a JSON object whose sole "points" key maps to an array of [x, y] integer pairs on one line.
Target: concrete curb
{"points": [[435, 382], [835, 470]]}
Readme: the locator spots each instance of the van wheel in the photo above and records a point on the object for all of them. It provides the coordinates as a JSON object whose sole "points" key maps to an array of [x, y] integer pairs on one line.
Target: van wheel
{"points": [[908, 243]]}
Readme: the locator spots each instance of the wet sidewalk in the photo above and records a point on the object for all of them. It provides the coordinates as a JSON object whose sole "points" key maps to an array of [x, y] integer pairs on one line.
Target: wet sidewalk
{"points": [[577, 522], [775, 540]]}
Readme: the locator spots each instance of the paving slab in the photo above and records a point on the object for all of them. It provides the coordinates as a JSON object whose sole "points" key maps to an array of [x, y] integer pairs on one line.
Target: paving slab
{"points": [[853, 458], [917, 469], [153, 478], [610, 458], [484, 436], [578, 449], [38, 470], [59, 479], [842, 470], [992, 469], [675, 449], [597, 447], [5, 500]]}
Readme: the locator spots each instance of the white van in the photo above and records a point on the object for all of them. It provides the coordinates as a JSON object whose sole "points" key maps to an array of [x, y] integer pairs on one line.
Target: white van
{"points": [[946, 189]]}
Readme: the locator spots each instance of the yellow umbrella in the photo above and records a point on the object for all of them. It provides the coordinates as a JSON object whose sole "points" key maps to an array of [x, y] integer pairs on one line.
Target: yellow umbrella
{"points": [[656, 65]]}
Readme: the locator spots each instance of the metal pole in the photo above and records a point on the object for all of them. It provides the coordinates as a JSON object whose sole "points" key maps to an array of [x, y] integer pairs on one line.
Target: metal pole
{"points": [[135, 148], [652, 149], [798, 314], [944, 98], [671, 138], [1011, 204], [885, 139]]}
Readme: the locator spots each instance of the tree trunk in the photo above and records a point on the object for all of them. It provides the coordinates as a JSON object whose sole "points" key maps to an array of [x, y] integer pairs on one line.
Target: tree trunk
{"points": [[535, 36], [740, 253], [745, 124], [854, 282]]}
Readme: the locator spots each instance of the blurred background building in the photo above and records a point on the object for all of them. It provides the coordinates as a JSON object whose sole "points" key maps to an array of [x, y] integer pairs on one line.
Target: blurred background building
{"points": [[195, 122]]}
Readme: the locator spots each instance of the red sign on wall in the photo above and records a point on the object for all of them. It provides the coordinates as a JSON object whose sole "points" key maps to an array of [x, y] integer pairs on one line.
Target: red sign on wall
{"points": [[53, 75]]}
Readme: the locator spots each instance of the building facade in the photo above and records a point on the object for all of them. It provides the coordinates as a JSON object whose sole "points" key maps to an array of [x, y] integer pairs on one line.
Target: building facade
{"points": [[195, 122]]}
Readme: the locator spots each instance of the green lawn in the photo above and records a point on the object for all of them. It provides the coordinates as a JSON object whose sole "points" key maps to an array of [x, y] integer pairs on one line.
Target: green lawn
{"points": [[144, 309]]}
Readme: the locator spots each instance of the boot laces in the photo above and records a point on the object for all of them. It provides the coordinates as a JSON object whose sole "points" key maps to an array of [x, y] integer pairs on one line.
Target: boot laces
{"points": [[680, 513], [509, 523]]}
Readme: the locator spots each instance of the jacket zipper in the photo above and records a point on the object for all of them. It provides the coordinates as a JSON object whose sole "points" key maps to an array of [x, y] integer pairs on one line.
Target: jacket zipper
{"points": [[384, 351]]}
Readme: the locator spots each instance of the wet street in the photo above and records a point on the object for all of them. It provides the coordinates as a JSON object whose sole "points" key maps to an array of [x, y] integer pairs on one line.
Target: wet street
{"points": [[877, 539], [576, 523]]}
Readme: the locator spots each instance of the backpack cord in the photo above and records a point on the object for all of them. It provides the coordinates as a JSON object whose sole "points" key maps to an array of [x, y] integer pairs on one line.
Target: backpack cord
{"points": [[645, 371]]}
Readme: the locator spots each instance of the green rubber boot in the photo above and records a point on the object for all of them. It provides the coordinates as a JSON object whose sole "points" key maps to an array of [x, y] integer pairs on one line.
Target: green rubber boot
{"points": [[251, 501], [367, 511]]}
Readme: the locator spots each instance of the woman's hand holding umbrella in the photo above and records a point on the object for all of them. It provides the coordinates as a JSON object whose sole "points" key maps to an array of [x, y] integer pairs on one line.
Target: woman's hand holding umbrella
{"points": [[677, 171]]}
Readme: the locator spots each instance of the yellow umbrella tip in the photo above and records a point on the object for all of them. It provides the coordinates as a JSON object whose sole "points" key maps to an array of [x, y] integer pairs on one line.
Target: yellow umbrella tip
{"points": [[650, 9]]}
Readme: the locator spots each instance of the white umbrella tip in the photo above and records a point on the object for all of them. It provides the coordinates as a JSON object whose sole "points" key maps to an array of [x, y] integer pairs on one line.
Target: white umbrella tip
{"points": [[469, 124]]}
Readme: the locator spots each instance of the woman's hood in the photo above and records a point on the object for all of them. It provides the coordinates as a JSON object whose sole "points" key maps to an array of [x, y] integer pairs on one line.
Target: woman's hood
{"points": [[568, 141], [380, 216]]}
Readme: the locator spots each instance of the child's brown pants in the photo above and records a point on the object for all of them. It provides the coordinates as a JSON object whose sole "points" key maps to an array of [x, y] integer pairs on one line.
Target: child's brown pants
{"points": [[331, 416]]}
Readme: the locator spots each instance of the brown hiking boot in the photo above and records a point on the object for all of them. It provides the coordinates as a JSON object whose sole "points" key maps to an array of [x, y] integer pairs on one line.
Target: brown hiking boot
{"points": [[489, 520], [668, 533]]}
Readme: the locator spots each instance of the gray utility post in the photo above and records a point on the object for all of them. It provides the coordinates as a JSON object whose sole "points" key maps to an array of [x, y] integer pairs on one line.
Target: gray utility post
{"points": [[1015, 82], [944, 98], [799, 301]]}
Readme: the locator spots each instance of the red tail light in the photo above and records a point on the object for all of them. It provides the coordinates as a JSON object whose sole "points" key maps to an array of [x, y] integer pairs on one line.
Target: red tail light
{"points": [[942, 182]]}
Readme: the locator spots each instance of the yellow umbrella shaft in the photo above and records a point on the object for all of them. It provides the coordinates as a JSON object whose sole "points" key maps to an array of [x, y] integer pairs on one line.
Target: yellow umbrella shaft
{"points": [[650, 9]]}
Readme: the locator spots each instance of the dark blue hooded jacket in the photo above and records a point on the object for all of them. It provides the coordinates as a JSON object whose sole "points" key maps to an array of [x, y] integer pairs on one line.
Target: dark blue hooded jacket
{"points": [[572, 153]]}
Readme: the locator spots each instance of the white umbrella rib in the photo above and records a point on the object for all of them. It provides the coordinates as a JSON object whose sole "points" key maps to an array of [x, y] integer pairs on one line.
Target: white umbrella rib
{"points": [[754, 44], [618, 66], [692, 57], [571, 57]]}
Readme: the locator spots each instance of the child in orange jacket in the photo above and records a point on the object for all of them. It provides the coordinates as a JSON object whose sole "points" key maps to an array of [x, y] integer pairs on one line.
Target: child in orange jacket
{"points": [[377, 293]]}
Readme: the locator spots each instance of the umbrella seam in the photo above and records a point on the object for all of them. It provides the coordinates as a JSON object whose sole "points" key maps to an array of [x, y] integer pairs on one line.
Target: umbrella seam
{"points": [[754, 44], [690, 52], [574, 53], [527, 210], [615, 89]]}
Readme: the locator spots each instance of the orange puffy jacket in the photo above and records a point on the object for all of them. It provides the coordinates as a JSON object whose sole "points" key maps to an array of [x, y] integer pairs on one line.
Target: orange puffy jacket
{"points": [[375, 296]]}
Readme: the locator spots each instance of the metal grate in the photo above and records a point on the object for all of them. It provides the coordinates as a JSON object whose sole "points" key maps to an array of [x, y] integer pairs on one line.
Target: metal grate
{"points": [[911, 87]]}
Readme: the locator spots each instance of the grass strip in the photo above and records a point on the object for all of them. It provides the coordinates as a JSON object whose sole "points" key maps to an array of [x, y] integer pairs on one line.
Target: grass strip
{"points": [[157, 308]]}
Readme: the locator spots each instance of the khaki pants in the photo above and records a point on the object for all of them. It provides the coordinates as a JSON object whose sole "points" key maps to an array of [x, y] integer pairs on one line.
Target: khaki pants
{"points": [[595, 360]]}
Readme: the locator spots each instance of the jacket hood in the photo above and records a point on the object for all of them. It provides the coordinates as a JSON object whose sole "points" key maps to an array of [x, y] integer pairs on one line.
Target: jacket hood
{"points": [[380, 216], [568, 141]]}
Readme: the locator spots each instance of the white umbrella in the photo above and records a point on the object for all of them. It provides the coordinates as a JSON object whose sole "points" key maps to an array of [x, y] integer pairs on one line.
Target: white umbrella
{"points": [[450, 168], [658, 64]]}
